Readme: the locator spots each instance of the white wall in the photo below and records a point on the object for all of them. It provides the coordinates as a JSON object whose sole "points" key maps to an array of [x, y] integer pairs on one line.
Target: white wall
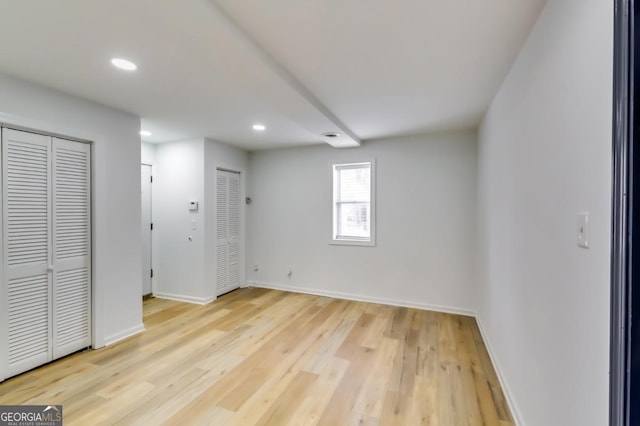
{"points": [[545, 155], [147, 153], [219, 155], [426, 209], [178, 262], [116, 193], [185, 171]]}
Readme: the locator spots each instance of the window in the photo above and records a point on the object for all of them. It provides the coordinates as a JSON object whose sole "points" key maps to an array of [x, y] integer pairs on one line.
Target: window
{"points": [[353, 203]]}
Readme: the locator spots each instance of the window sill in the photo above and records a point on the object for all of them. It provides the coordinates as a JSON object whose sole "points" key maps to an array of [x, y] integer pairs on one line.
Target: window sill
{"points": [[371, 243]]}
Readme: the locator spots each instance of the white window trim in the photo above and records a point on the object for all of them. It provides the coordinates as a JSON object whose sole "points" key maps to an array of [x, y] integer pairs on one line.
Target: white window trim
{"points": [[355, 242]]}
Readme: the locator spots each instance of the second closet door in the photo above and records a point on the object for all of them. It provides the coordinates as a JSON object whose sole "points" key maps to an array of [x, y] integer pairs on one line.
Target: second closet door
{"points": [[228, 231], [71, 247]]}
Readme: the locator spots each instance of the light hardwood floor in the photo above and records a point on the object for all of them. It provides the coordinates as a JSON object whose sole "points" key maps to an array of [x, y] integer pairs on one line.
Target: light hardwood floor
{"points": [[260, 356]]}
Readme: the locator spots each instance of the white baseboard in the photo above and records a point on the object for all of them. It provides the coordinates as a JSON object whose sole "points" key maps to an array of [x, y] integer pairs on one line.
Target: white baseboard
{"points": [[114, 338], [361, 298], [515, 410], [187, 299]]}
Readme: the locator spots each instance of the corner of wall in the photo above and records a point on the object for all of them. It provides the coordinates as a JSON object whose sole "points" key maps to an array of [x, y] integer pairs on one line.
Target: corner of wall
{"points": [[504, 384]]}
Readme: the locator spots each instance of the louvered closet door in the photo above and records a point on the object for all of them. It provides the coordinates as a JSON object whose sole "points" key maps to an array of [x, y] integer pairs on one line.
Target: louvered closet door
{"points": [[228, 231], [26, 176], [221, 232], [233, 232], [71, 247]]}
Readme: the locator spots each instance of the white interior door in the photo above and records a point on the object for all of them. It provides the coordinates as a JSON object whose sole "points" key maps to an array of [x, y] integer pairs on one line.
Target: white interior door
{"points": [[71, 268], [233, 235], [46, 255], [228, 230], [145, 207], [27, 260]]}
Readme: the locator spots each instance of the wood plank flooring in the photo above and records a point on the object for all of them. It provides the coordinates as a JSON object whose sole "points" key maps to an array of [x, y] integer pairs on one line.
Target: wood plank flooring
{"points": [[265, 357]]}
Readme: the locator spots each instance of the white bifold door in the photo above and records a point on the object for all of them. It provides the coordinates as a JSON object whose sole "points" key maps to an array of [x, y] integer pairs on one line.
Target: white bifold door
{"points": [[46, 279], [227, 230]]}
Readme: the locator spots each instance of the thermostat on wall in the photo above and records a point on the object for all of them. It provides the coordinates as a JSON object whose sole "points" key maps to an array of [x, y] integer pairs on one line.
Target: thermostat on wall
{"points": [[193, 206]]}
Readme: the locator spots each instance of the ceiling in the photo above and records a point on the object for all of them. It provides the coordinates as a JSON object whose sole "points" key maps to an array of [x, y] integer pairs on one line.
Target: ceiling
{"points": [[367, 69]]}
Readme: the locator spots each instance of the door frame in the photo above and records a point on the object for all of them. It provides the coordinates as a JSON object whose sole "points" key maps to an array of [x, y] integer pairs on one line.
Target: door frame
{"points": [[622, 184], [243, 194], [150, 165]]}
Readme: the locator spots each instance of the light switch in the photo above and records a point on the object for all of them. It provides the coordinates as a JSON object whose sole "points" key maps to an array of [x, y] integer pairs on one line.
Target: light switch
{"points": [[194, 226], [583, 230]]}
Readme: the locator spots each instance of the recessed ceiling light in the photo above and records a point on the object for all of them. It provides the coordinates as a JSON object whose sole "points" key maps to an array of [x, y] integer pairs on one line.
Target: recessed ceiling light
{"points": [[331, 135], [259, 127], [123, 64], [145, 133]]}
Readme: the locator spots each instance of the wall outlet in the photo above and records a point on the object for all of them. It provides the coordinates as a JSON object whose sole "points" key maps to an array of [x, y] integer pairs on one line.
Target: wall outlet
{"points": [[256, 267]]}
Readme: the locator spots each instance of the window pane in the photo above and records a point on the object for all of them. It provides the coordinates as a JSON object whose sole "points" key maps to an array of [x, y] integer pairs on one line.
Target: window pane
{"points": [[355, 184], [352, 203], [353, 220]]}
